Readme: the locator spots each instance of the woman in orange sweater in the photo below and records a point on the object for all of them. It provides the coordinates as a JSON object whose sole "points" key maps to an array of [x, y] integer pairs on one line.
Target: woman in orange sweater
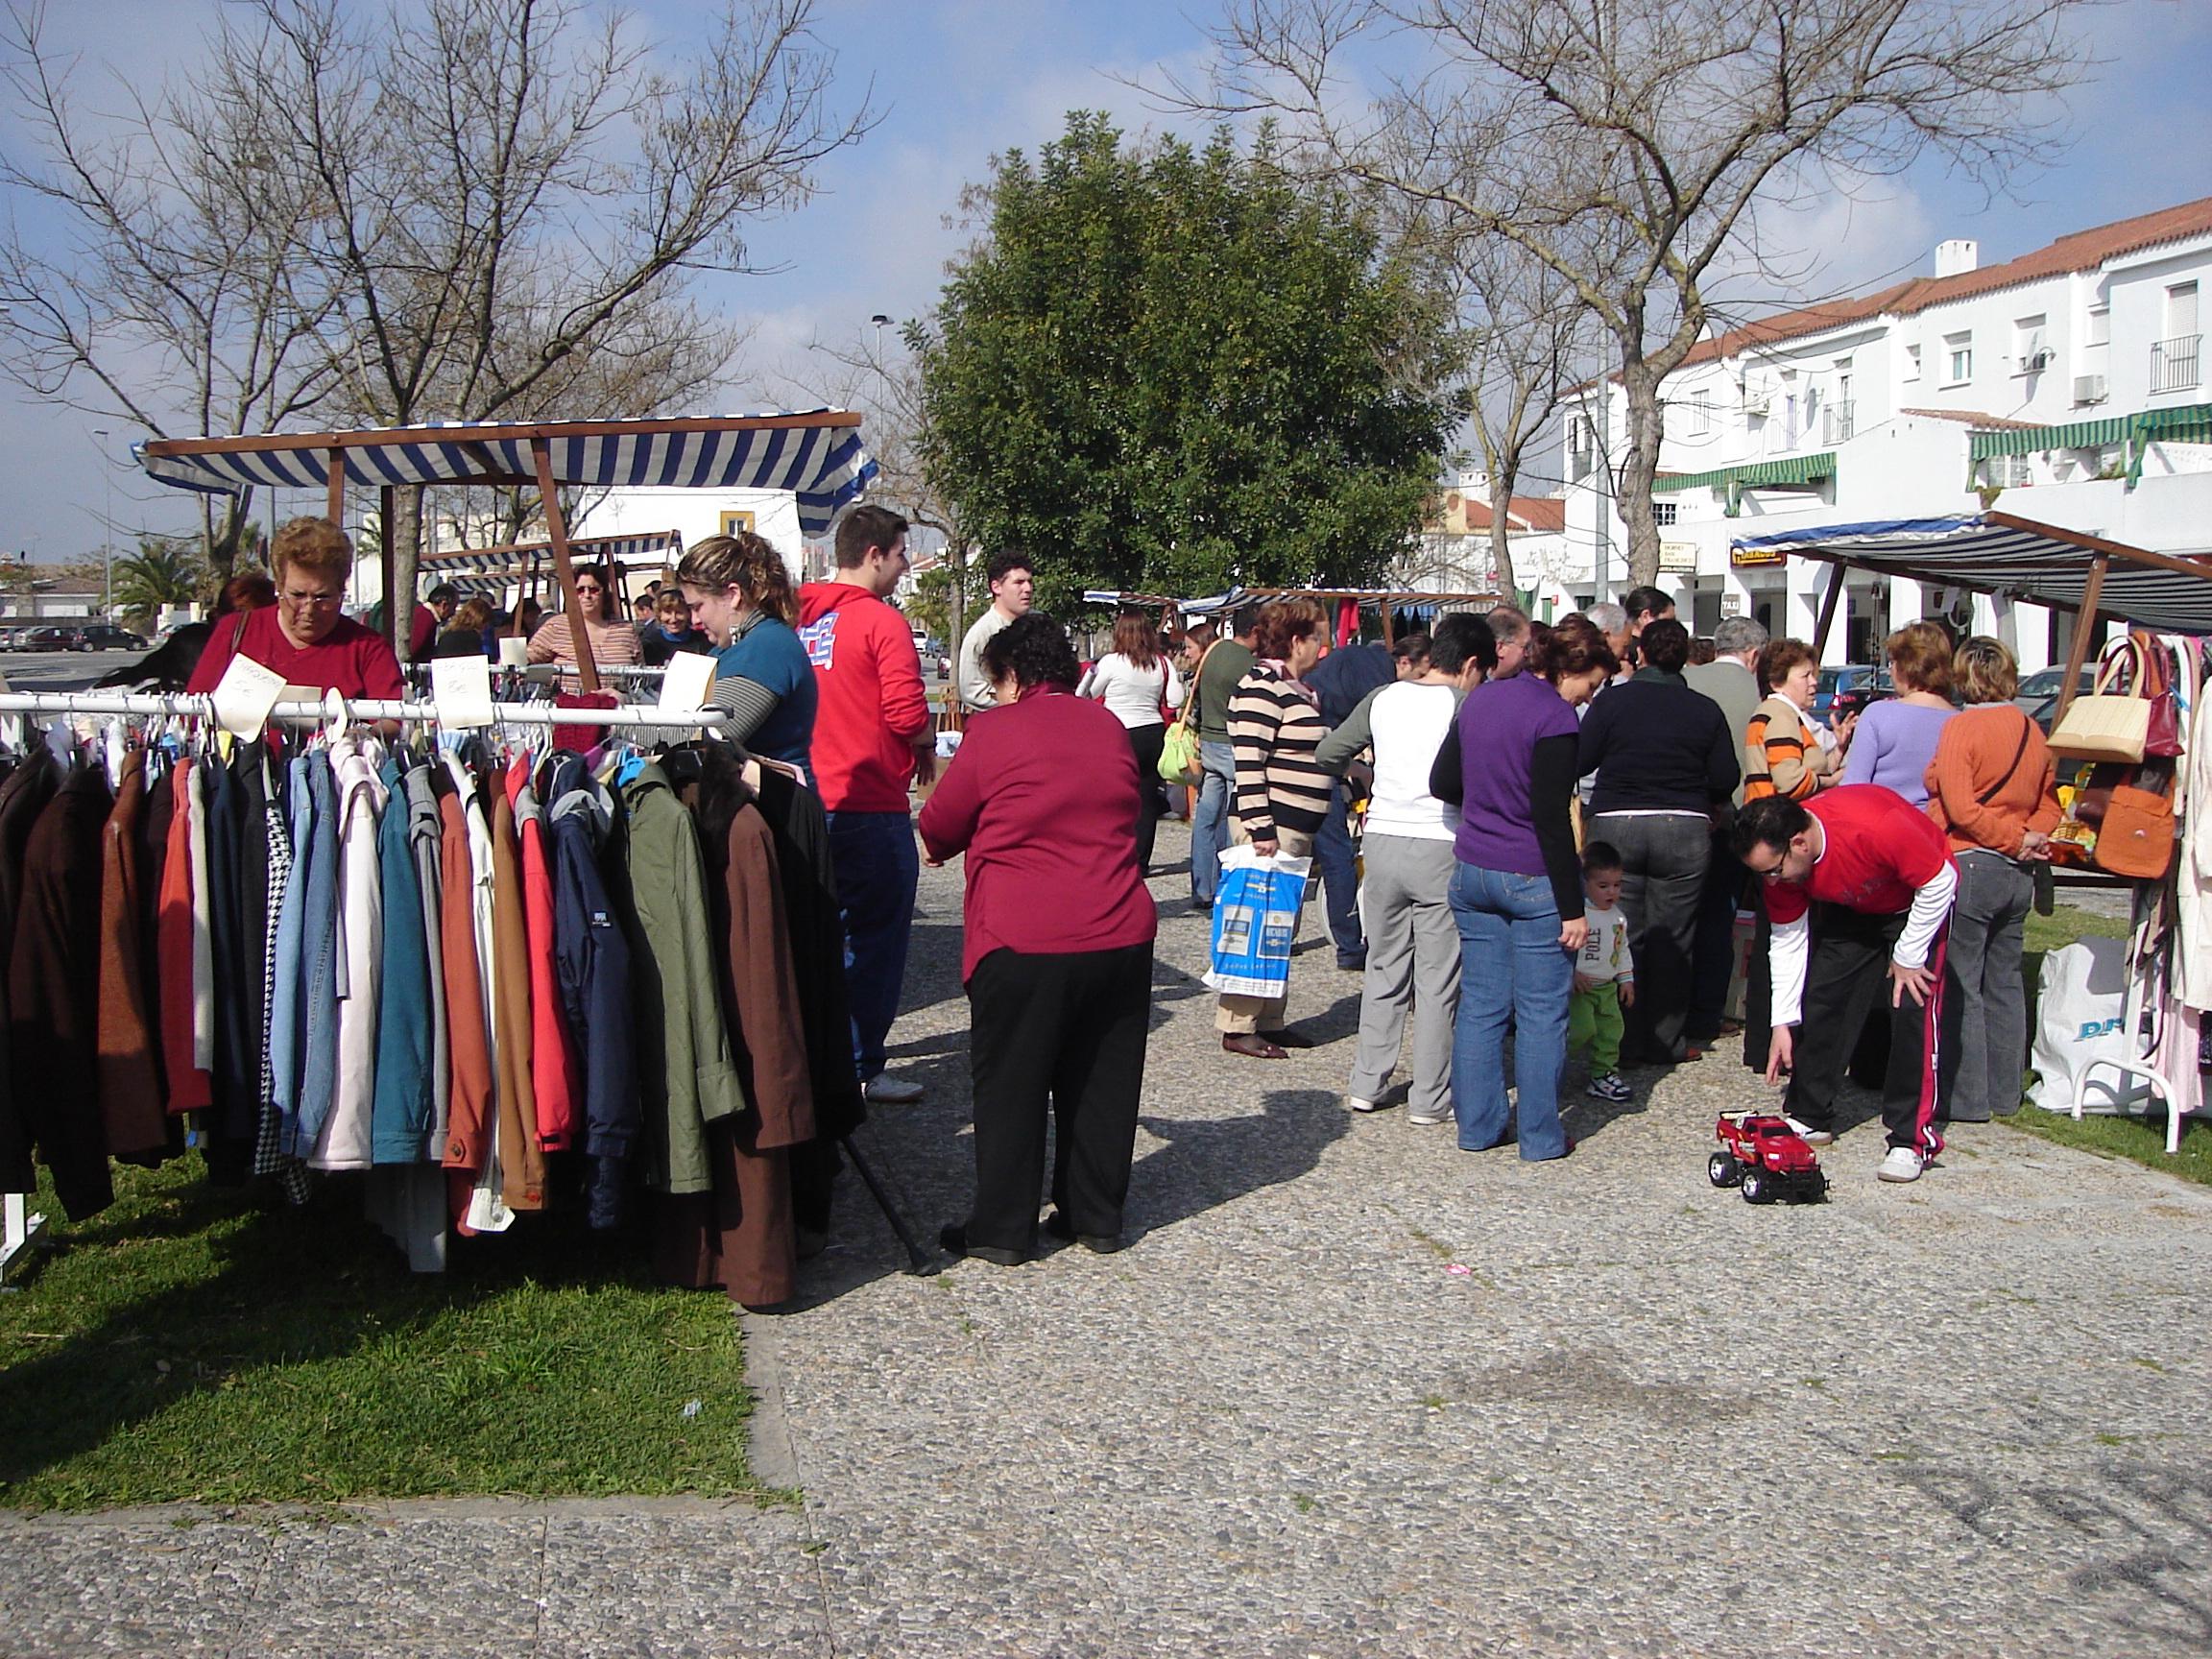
{"points": [[1993, 789]]}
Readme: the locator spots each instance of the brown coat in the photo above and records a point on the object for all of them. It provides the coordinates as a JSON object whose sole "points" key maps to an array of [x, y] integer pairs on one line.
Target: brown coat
{"points": [[129, 1064], [469, 1104], [522, 1157]]}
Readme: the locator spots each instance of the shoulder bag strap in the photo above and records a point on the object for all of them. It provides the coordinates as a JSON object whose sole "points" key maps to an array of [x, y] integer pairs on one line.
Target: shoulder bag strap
{"points": [[1997, 788]]}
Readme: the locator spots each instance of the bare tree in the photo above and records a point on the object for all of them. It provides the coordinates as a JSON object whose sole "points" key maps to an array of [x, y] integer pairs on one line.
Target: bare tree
{"points": [[884, 380], [1626, 145], [465, 209]]}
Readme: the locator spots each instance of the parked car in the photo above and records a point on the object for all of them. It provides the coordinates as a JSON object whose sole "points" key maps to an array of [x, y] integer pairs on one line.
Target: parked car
{"points": [[8, 639], [107, 637], [2041, 688], [53, 636], [1848, 691], [1844, 679]]}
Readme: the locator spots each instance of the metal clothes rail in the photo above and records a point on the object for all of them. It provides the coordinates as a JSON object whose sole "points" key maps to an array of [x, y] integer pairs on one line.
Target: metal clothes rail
{"points": [[203, 706]]}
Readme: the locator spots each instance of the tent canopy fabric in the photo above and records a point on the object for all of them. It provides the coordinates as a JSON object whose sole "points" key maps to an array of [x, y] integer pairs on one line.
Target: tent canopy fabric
{"points": [[816, 454], [1998, 553], [483, 569]]}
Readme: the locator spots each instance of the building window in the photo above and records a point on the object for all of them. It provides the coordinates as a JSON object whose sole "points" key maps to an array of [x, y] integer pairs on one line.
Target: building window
{"points": [[737, 523], [2097, 329], [2031, 355], [2174, 359], [1911, 363], [1662, 514], [1957, 360], [1701, 413]]}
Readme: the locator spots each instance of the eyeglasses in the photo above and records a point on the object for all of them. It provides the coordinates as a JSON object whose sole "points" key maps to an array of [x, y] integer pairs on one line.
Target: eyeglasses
{"points": [[591, 587], [316, 601]]}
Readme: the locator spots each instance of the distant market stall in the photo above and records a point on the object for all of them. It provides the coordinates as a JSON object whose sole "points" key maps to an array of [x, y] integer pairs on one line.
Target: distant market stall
{"points": [[1348, 602]]}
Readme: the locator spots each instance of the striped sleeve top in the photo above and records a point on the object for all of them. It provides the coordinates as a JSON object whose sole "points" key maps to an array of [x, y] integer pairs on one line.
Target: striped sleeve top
{"points": [[1274, 731]]}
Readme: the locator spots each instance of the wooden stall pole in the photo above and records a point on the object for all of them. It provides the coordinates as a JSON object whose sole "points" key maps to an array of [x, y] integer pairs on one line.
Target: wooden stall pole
{"points": [[2084, 619], [564, 570], [397, 626], [335, 501], [1834, 592]]}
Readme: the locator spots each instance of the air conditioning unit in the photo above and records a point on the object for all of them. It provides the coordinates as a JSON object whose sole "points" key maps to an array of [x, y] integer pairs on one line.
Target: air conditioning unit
{"points": [[1755, 402], [2089, 389]]}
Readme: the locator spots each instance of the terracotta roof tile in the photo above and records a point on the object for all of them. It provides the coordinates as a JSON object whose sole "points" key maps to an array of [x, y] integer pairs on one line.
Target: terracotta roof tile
{"points": [[2081, 251], [1977, 418]]}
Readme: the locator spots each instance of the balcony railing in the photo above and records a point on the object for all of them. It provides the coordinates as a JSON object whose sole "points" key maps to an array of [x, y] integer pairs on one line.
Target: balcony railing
{"points": [[2174, 363], [1837, 424]]}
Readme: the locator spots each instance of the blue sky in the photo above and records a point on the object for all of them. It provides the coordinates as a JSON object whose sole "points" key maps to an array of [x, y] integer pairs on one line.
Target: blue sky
{"points": [[958, 80]]}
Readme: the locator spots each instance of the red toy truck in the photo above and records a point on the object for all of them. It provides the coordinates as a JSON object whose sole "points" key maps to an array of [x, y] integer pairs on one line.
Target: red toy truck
{"points": [[1760, 1153]]}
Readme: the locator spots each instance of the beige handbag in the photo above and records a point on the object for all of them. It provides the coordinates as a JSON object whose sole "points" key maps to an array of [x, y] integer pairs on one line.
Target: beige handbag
{"points": [[2109, 724]]}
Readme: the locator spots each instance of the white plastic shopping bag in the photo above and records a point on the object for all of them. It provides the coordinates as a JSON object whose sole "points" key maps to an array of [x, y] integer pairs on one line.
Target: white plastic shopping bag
{"points": [[1255, 920], [2083, 1050]]}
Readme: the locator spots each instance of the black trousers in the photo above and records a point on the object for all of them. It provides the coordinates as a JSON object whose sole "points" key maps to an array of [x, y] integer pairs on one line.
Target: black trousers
{"points": [[1070, 1028], [1664, 857], [1847, 982], [1148, 741], [1712, 952]]}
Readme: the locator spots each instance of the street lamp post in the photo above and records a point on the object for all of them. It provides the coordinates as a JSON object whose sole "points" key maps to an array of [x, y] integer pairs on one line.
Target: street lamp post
{"points": [[107, 534]]}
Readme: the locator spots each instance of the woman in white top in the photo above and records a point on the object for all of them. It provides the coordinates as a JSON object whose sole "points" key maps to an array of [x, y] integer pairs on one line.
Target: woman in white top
{"points": [[1135, 682], [1406, 894]]}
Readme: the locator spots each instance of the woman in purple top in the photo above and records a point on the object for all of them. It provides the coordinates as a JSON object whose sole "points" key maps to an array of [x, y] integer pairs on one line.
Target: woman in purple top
{"points": [[1897, 740], [1509, 765]]}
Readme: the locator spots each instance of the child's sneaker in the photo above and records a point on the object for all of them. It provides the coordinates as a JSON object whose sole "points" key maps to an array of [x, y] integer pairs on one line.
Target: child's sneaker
{"points": [[1902, 1163], [1610, 1086]]}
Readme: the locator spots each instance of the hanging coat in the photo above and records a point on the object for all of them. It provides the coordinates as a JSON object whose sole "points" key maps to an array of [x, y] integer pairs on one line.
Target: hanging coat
{"points": [[592, 958], [54, 993], [129, 1070], [401, 1117]]}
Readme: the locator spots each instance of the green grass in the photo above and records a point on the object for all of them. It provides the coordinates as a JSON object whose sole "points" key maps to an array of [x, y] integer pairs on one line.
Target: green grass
{"points": [[190, 1344], [2141, 1139]]}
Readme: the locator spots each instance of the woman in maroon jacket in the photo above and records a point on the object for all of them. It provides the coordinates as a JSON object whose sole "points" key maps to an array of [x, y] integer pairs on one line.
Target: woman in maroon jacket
{"points": [[1043, 799]]}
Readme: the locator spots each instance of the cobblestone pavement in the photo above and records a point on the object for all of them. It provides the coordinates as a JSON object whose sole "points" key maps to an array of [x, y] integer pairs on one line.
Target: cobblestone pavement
{"points": [[1349, 1391]]}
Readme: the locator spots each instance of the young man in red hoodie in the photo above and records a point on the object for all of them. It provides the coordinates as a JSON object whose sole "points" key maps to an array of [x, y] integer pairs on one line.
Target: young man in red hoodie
{"points": [[873, 735]]}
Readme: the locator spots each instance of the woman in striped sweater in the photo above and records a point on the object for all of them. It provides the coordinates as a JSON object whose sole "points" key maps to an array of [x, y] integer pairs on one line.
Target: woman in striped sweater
{"points": [[1282, 792]]}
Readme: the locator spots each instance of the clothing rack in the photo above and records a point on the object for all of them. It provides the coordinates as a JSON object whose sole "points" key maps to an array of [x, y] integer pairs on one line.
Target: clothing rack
{"points": [[201, 705], [18, 1230]]}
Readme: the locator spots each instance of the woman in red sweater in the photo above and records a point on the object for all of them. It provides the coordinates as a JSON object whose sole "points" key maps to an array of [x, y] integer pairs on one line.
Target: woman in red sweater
{"points": [[1994, 791], [1057, 957]]}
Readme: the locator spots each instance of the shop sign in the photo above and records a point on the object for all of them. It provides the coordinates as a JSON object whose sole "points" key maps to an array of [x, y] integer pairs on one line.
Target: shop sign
{"points": [[1679, 556], [1751, 558]]}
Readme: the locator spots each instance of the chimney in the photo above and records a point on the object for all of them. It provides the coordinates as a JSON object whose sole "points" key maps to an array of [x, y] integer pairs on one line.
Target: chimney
{"points": [[1955, 259]]}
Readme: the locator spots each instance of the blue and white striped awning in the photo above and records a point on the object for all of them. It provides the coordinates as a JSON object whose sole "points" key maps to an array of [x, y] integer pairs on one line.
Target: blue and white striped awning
{"points": [[478, 568], [816, 454], [1998, 553]]}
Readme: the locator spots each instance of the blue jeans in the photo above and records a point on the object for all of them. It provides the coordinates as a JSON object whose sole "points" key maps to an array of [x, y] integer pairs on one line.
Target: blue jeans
{"points": [[877, 867], [1511, 965], [1210, 818], [1340, 880]]}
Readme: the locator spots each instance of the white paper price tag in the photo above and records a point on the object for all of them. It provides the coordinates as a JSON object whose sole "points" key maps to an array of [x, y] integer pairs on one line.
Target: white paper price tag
{"points": [[245, 695], [461, 686], [684, 688]]}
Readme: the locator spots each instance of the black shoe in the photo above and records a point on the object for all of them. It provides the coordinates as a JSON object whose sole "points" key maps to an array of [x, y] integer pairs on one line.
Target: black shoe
{"points": [[1287, 1038], [954, 1240], [1058, 1226]]}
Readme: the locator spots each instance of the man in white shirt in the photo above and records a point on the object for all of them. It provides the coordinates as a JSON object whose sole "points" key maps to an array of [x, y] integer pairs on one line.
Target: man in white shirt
{"points": [[1013, 590]]}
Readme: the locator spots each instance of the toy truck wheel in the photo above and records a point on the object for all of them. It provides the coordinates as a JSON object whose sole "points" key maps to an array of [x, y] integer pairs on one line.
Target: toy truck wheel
{"points": [[1758, 1187], [1722, 1169]]}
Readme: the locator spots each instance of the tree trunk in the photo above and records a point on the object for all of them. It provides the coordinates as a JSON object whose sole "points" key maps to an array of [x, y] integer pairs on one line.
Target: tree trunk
{"points": [[1500, 548], [1639, 467], [406, 538]]}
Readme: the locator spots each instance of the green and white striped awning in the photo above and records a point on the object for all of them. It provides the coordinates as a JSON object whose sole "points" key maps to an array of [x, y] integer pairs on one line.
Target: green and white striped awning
{"points": [[2134, 434], [1789, 472]]}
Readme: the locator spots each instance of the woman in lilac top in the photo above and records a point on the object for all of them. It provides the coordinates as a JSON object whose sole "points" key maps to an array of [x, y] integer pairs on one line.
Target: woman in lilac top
{"points": [[1897, 740], [1509, 765]]}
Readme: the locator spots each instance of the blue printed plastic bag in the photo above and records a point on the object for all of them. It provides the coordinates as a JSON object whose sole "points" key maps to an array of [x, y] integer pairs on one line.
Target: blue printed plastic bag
{"points": [[1254, 919]]}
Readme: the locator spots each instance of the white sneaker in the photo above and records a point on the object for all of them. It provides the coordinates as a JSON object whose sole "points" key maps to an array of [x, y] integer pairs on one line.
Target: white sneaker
{"points": [[886, 1089], [1428, 1119], [1360, 1104], [1902, 1164], [1813, 1137]]}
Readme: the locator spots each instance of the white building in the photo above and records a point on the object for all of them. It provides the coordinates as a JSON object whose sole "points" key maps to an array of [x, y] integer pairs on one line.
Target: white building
{"points": [[2069, 380]]}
